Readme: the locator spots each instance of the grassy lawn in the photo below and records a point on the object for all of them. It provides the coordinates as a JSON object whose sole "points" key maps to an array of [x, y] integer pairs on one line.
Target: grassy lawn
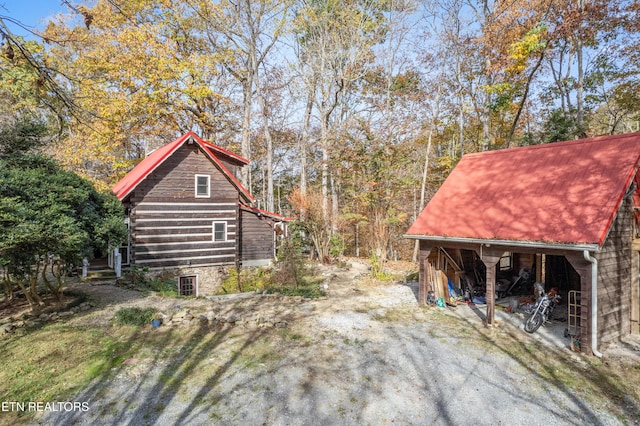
{"points": [[56, 361]]}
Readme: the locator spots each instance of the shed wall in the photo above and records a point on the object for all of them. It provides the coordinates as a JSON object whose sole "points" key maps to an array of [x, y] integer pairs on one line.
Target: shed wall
{"points": [[614, 277]]}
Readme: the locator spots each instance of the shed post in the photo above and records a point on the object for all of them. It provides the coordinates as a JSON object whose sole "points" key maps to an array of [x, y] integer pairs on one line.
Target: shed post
{"points": [[423, 284], [490, 257]]}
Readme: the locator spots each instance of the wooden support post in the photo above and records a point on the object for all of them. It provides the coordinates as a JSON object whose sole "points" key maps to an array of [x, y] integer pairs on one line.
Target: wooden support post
{"points": [[423, 279], [490, 256]]}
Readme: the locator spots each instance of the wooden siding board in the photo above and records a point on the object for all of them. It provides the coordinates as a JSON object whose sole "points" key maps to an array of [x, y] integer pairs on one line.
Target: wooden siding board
{"points": [[257, 237], [614, 277], [195, 262]]}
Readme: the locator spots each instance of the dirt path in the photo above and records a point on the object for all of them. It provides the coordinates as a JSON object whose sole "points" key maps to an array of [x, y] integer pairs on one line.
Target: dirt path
{"points": [[366, 354]]}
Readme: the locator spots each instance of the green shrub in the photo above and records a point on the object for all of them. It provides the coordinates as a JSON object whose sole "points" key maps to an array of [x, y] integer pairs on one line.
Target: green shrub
{"points": [[309, 291], [134, 316], [291, 267], [377, 269], [248, 280], [136, 275], [338, 246], [164, 287]]}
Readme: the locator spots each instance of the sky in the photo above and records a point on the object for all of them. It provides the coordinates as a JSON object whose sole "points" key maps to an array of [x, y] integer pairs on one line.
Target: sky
{"points": [[32, 13]]}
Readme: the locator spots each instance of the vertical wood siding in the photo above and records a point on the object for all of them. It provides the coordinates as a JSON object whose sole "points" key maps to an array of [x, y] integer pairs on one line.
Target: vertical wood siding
{"points": [[614, 277], [170, 226], [257, 237]]}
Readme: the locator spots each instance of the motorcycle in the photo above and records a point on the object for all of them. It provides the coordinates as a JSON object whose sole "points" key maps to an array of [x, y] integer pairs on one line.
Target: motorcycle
{"points": [[541, 311]]}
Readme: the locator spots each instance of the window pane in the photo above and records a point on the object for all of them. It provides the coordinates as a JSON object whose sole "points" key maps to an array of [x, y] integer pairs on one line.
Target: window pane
{"points": [[219, 231], [505, 262], [187, 286], [202, 186]]}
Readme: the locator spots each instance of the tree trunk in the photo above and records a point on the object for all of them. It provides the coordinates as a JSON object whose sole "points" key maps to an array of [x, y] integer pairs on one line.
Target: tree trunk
{"points": [[425, 170], [304, 144], [334, 204], [580, 82], [269, 140], [325, 168], [523, 100], [245, 147]]}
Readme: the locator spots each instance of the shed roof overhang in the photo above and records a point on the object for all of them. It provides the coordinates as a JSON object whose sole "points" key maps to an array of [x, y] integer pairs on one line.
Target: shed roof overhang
{"points": [[509, 245]]}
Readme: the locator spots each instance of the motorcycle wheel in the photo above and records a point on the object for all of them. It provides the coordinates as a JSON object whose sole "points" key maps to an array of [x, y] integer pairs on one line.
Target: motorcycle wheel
{"points": [[533, 322]]}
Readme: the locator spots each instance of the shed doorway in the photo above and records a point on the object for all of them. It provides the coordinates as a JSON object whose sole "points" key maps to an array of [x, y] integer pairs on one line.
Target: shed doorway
{"points": [[516, 275]]}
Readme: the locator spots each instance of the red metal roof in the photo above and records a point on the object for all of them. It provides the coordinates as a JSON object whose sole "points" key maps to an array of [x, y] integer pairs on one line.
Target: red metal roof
{"points": [[225, 152], [136, 175], [563, 192]]}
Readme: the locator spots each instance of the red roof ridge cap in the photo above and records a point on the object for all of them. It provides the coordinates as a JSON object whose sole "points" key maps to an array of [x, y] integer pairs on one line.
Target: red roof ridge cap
{"points": [[217, 148], [555, 144]]}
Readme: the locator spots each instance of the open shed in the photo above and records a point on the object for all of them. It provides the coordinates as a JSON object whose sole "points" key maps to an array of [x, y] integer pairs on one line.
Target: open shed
{"points": [[570, 204]]}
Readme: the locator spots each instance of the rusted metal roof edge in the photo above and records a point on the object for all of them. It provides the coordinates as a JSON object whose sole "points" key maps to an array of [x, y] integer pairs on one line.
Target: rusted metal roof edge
{"points": [[507, 243]]}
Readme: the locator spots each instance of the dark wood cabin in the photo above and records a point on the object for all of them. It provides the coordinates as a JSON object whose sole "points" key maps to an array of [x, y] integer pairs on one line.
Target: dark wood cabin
{"points": [[566, 210], [187, 212]]}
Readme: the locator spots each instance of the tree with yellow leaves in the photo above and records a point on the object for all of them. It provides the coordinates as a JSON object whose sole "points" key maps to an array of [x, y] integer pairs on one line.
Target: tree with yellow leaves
{"points": [[143, 74]]}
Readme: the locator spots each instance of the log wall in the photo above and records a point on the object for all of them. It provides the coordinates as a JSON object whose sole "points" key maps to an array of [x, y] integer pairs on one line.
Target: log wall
{"points": [[170, 227]]}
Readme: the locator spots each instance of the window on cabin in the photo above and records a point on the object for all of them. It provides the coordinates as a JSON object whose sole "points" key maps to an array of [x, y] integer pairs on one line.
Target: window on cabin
{"points": [[219, 231], [202, 186], [187, 285]]}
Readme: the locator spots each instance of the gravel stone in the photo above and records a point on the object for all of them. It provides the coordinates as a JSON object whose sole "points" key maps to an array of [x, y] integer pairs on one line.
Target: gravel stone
{"points": [[339, 362]]}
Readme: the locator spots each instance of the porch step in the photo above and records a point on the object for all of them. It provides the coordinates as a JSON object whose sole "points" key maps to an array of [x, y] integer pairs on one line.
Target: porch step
{"points": [[101, 274]]}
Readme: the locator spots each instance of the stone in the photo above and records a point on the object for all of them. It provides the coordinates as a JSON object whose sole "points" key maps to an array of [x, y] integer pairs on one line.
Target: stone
{"points": [[203, 318], [281, 324], [231, 319], [85, 307], [211, 315], [66, 314], [6, 328], [44, 317], [180, 314]]}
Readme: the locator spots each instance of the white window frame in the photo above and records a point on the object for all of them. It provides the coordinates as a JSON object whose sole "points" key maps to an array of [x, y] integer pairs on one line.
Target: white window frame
{"points": [[213, 231], [195, 285], [208, 194]]}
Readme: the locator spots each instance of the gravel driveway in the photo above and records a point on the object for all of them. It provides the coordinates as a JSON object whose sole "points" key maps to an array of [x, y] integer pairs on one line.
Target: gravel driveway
{"points": [[365, 355]]}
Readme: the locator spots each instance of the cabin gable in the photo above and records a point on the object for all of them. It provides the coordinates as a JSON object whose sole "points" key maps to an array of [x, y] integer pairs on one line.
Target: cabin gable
{"points": [[172, 226]]}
